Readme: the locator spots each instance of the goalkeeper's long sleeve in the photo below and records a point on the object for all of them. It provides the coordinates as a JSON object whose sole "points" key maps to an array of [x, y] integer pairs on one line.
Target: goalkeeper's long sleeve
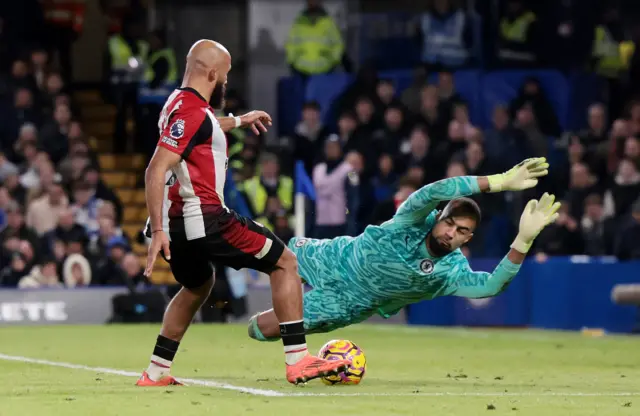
{"points": [[469, 284], [420, 203]]}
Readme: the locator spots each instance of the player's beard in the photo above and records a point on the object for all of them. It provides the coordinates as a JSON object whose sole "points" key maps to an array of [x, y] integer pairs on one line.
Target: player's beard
{"points": [[437, 249], [217, 96]]}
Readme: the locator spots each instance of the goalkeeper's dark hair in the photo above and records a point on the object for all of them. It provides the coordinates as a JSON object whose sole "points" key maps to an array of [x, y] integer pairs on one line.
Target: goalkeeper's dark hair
{"points": [[462, 207]]}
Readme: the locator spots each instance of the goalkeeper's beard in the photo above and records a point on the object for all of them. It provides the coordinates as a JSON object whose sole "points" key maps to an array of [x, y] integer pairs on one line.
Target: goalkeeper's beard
{"points": [[437, 249]]}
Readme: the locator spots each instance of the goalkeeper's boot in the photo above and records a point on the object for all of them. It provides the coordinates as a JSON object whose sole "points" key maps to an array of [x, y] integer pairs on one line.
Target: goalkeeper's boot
{"points": [[311, 367], [145, 381]]}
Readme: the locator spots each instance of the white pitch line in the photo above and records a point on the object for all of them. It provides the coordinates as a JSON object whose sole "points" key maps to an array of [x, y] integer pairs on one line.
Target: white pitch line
{"points": [[114, 371], [274, 393]]}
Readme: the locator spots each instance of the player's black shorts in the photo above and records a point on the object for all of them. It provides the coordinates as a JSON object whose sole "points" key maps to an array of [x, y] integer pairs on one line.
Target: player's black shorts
{"points": [[231, 240]]}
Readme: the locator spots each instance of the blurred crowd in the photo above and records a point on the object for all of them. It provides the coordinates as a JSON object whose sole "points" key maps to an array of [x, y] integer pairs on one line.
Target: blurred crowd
{"points": [[387, 143], [60, 224]]}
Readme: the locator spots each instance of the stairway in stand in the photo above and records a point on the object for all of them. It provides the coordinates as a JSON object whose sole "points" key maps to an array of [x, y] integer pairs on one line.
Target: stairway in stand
{"points": [[121, 173]]}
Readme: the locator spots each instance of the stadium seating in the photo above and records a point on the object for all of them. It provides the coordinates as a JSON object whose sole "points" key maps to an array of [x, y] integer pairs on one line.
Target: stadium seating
{"points": [[482, 90]]}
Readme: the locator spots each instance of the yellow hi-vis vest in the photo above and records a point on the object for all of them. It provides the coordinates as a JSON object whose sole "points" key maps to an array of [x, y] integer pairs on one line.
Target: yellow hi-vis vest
{"points": [[160, 94], [314, 47], [257, 194], [514, 36], [120, 57], [612, 56]]}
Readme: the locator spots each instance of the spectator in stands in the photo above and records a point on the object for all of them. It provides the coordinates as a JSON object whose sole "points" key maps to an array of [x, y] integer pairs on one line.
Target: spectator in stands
{"points": [[607, 58], [40, 66], [532, 95], [42, 275], [329, 179], [385, 181], [108, 268], [268, 183], [16, 191], [310, 135], [347, 124], [43, 213], [65, 231], [46, 176], [411, 97], [23, 111], [385, 97], [392, 136], [581, 184], [527, 130], [101, 191], [85, 206], [597, 230], [562, 238], [21, 77], [133, 273], [632, 150], [578, 153], [315, 44], [76, 271], [627, 245], [51, 95], [122, 71], [500, 141], [363, 86], [624, 190], [420, 154], [446, 36], [54, 137], [385, 210], [16, 230], [594, 137], [518, 37], [6, 168], [433, 115], [28, 133], [282, 226], [448, 97]]}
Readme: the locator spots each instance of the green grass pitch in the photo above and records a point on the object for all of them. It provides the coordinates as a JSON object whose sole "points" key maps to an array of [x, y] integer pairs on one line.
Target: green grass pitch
{"points": [[411, 371]]}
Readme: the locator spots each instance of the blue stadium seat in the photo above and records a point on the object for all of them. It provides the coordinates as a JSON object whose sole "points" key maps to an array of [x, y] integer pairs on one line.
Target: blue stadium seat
{"points": [[290, 101], [325, 89], [500, 87]]}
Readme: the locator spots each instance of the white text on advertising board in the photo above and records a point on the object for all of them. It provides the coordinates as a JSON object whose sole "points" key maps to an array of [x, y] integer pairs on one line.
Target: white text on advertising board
{"points": [[33, 311]]}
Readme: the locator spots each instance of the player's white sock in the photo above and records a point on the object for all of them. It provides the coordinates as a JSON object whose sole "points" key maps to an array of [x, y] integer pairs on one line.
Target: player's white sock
{"points": [[294, 353], [163, 354], [295, 343], [158, 368]]}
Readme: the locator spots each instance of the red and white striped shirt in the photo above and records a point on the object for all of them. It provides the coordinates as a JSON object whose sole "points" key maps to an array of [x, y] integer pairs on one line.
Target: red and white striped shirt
{"points": [[194, 196]]}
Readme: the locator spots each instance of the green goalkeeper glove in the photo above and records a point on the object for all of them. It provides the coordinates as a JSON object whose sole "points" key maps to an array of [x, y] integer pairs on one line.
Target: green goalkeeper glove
{"points": [[522, 176], [536, 216]]}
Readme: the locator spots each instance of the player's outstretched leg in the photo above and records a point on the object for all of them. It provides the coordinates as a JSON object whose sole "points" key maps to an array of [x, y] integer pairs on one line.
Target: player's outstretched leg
{"points": [[264, 326], [286, 293], [177, 318]]}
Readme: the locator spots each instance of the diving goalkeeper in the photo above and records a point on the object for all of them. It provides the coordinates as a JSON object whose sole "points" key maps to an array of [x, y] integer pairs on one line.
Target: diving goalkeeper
{"points": [[412, 257]]}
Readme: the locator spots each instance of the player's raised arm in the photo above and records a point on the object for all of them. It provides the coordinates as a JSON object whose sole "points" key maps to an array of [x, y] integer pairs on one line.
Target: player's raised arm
{"points": [[522, 176], [470, 284]]}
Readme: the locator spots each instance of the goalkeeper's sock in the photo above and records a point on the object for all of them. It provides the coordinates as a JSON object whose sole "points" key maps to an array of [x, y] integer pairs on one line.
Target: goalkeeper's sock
{"points": [[294, 340], [162, 358]]}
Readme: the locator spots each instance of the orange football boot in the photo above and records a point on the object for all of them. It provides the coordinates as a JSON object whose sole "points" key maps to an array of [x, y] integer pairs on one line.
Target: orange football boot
{"points": [[145, 381], [311, 367]]}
